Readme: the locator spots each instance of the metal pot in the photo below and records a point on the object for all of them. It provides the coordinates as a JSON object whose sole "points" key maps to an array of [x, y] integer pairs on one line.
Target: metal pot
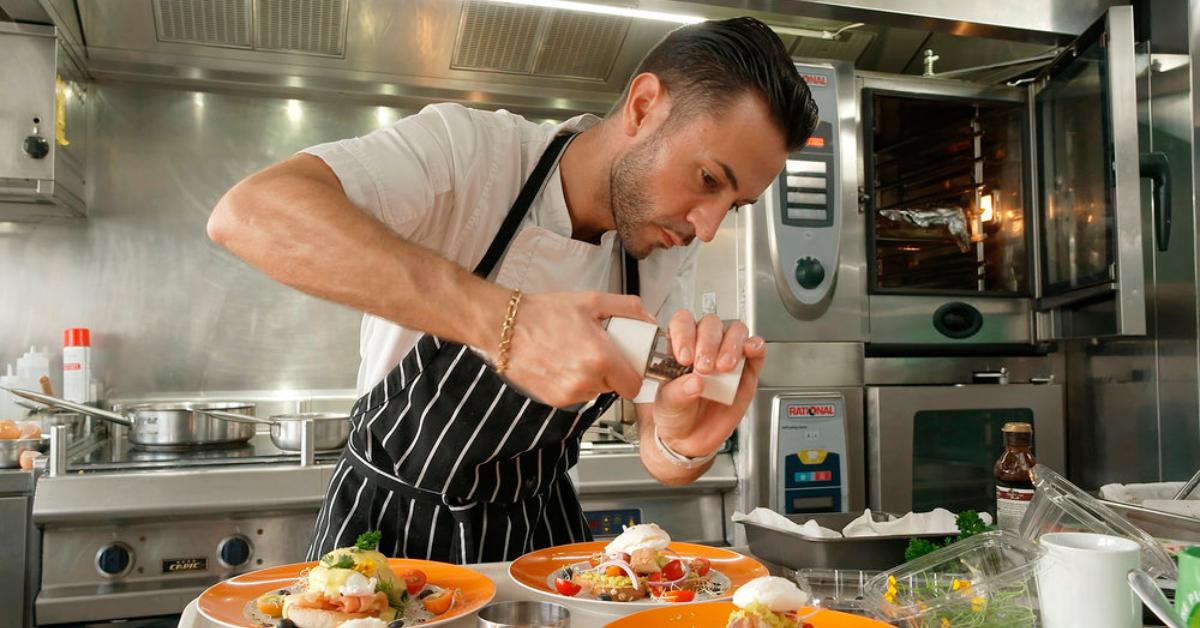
{"points": [[11, 448], [330, 429], [178, 424], [78, 425]]}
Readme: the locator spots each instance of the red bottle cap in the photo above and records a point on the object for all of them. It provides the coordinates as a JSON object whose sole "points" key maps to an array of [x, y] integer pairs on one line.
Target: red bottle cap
{"points": [[77, 337]]}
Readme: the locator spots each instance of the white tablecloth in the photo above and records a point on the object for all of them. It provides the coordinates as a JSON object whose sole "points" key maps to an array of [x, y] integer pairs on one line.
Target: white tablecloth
{"points": [[506, 590]]}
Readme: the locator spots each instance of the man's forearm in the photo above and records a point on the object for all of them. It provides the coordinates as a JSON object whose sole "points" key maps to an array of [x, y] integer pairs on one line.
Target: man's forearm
{"points": [[293, 222]]}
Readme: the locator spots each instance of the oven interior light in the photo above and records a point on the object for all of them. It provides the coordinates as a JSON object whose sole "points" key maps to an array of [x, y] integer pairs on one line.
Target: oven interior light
{"points": [[987, 211]]}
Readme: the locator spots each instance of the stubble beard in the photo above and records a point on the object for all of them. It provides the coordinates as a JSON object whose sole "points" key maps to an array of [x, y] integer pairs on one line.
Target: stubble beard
{"points": [[628, 200]]}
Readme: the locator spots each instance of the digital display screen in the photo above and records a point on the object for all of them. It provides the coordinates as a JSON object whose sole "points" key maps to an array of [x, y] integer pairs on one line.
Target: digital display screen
{"points": [[812, 504]]}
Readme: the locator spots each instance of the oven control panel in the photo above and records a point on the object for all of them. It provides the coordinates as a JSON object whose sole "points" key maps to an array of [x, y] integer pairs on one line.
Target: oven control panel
{"points": [[811, 454], [805, 204]]}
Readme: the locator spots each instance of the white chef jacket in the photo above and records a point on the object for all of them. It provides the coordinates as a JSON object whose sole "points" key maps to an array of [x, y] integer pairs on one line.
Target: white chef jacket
{"points": [[445, 178]]}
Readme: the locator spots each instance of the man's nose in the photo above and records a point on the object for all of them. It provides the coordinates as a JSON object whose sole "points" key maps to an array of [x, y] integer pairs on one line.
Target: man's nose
{"points": [[706, 219]]}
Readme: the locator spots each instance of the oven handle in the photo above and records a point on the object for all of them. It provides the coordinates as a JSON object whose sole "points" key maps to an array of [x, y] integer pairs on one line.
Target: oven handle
{"points": [[1156, 167]]}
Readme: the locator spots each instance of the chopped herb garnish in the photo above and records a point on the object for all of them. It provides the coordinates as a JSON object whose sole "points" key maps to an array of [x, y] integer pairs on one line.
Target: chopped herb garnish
{"points": [[343, 562], [969, 524], [368, 540]]}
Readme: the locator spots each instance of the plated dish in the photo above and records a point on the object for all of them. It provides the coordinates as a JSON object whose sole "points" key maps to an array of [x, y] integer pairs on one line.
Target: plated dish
{"points": [[352, 587], [640, 568]]}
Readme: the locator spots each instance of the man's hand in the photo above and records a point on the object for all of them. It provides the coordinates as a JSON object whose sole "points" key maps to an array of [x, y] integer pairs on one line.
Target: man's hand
{"points": [[687, 423], [561, 353]]}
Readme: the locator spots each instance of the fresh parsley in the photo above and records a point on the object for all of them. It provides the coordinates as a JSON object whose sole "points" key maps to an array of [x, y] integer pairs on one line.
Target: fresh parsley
{"points": [[969, 524], [344, 561], [368, 540]]}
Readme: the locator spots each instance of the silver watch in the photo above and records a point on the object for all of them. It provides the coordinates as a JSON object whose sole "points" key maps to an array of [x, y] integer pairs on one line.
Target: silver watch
{"points": [[677, 458]]}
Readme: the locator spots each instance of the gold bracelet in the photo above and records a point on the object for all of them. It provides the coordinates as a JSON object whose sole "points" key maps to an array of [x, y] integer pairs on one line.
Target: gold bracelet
{"points": [[510, 318]]}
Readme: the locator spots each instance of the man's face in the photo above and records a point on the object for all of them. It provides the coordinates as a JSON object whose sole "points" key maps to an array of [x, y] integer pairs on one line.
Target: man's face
{"points": [[679, 182]]}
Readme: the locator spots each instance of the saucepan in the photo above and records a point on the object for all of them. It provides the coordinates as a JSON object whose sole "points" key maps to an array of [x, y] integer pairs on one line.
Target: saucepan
{"points": [[330, 430], [174, 424], [12, 448]]}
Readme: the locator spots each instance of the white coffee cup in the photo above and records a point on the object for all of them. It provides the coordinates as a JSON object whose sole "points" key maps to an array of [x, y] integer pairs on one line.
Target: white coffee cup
{"points": [[1083, 581]]}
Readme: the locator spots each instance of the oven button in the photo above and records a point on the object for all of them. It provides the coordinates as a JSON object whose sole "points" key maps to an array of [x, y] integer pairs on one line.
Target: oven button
{"points": [[809, 272], [114, 560], [234, 551]]}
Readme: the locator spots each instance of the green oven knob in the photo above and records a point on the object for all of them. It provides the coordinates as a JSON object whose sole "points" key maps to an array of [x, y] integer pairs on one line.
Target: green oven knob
{"points": [[809, 273]]}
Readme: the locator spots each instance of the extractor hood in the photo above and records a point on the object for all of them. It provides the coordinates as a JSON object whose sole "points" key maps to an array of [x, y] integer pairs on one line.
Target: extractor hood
{"points": [[480, 52]]}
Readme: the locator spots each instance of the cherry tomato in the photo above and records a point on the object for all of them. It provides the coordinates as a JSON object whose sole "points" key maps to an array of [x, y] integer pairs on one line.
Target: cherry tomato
{"points": [[700, 566], [680, 595], [440, 602], [270, 605], [414, 580], [566, 587], [673, 570], [613, 570], [596, 559]]}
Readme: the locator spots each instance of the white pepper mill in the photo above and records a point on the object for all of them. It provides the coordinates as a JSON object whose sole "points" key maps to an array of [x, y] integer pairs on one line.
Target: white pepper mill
{"points": [[648, 350]]}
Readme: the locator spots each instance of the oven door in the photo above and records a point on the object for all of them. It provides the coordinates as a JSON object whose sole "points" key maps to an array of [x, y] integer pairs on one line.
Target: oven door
{"points": [[1083, 116], [934, 446]]}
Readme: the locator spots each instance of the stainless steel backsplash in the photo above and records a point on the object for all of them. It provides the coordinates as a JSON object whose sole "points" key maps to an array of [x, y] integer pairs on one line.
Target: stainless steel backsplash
{"points": [[169, 311]]}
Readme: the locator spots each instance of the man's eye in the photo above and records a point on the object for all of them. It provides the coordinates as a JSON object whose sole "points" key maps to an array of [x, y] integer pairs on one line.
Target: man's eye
{"points": [[709, 181]]}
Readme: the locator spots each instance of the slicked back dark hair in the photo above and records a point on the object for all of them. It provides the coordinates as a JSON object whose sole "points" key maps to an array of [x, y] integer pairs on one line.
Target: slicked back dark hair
{"points": [[706, 66]]}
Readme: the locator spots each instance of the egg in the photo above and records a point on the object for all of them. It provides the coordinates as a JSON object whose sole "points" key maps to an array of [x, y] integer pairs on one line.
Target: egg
{"points": [[778, 594], [9, 430], [640, 536], [31, 430], [368, 622]]}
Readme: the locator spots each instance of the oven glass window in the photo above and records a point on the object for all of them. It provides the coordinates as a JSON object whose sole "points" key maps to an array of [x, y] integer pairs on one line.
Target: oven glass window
{"points": [[953, 455], [1076, 179], [948, 196]]}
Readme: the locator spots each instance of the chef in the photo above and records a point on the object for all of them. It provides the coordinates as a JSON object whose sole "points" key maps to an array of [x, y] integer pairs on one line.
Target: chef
{"points": [[487, 251]]}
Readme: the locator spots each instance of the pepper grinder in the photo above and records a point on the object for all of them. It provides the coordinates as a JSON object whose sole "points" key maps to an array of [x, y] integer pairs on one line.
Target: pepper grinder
{"points": [[647, 348]]}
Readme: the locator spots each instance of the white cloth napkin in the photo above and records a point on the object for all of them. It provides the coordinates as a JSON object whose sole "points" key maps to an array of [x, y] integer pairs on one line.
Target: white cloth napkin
{"points": [[937, 521], [1189, 507], [771, 519], [1138, 493]]}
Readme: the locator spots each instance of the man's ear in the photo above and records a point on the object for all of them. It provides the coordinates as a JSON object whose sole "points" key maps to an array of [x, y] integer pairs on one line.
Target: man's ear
{"points": [[645, 105]]}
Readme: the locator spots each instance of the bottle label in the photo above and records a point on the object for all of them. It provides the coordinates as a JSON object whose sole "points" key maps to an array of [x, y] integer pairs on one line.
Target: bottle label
{"points": [[1011, 504]]}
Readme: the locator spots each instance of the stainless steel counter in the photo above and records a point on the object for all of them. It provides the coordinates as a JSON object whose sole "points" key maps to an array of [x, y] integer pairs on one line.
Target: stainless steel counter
{"points": [[18, 551]]}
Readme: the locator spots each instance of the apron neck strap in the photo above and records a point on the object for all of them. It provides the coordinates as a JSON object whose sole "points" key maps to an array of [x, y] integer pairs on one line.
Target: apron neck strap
{"points": [[520, 207]]}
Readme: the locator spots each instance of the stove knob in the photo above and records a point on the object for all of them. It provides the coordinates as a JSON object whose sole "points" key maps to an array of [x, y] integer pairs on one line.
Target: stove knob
{"points": [[114, 560], [809, 272], [234, 551]]}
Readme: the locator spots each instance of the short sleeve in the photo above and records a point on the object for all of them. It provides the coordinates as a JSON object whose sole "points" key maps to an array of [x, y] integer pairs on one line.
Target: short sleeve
{"points": [[399, 173]]}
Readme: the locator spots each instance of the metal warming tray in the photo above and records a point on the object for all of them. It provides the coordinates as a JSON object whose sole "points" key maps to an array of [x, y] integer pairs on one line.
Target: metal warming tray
{"points": [[797, 551]]}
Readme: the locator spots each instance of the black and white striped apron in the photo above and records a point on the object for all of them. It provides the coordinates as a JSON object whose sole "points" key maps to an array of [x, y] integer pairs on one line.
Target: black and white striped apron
{"points": [[451, 463]]}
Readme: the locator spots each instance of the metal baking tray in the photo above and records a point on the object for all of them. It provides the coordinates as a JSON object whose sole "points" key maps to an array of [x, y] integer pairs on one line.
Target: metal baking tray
{"points": [[797, 551], [1159, 524]]}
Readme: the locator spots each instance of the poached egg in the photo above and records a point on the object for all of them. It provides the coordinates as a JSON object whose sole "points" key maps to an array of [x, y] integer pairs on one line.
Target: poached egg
{"points": [[367, 622], [640, 536], [778, 594]]}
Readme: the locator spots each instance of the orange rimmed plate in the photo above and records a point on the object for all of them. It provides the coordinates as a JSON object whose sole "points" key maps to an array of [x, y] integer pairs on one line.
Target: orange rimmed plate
{"points": [[534, 571], [716, 615], [225, 603]]}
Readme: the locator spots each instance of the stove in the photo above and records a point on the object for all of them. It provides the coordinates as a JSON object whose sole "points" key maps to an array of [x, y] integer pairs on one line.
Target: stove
{"points": [[130, 532]]}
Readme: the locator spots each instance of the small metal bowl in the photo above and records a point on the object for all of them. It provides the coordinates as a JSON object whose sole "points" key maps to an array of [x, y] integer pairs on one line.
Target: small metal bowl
{"points": [[11, 448], [523, 614], [330, 430]]}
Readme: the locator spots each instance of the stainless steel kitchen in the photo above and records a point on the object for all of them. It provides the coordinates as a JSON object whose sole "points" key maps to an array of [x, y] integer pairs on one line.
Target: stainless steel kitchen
{"points": [[845, 313]]}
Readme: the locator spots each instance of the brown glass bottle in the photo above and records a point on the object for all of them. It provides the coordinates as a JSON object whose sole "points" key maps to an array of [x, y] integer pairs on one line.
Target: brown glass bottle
{"points": [[1014, 475]]}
